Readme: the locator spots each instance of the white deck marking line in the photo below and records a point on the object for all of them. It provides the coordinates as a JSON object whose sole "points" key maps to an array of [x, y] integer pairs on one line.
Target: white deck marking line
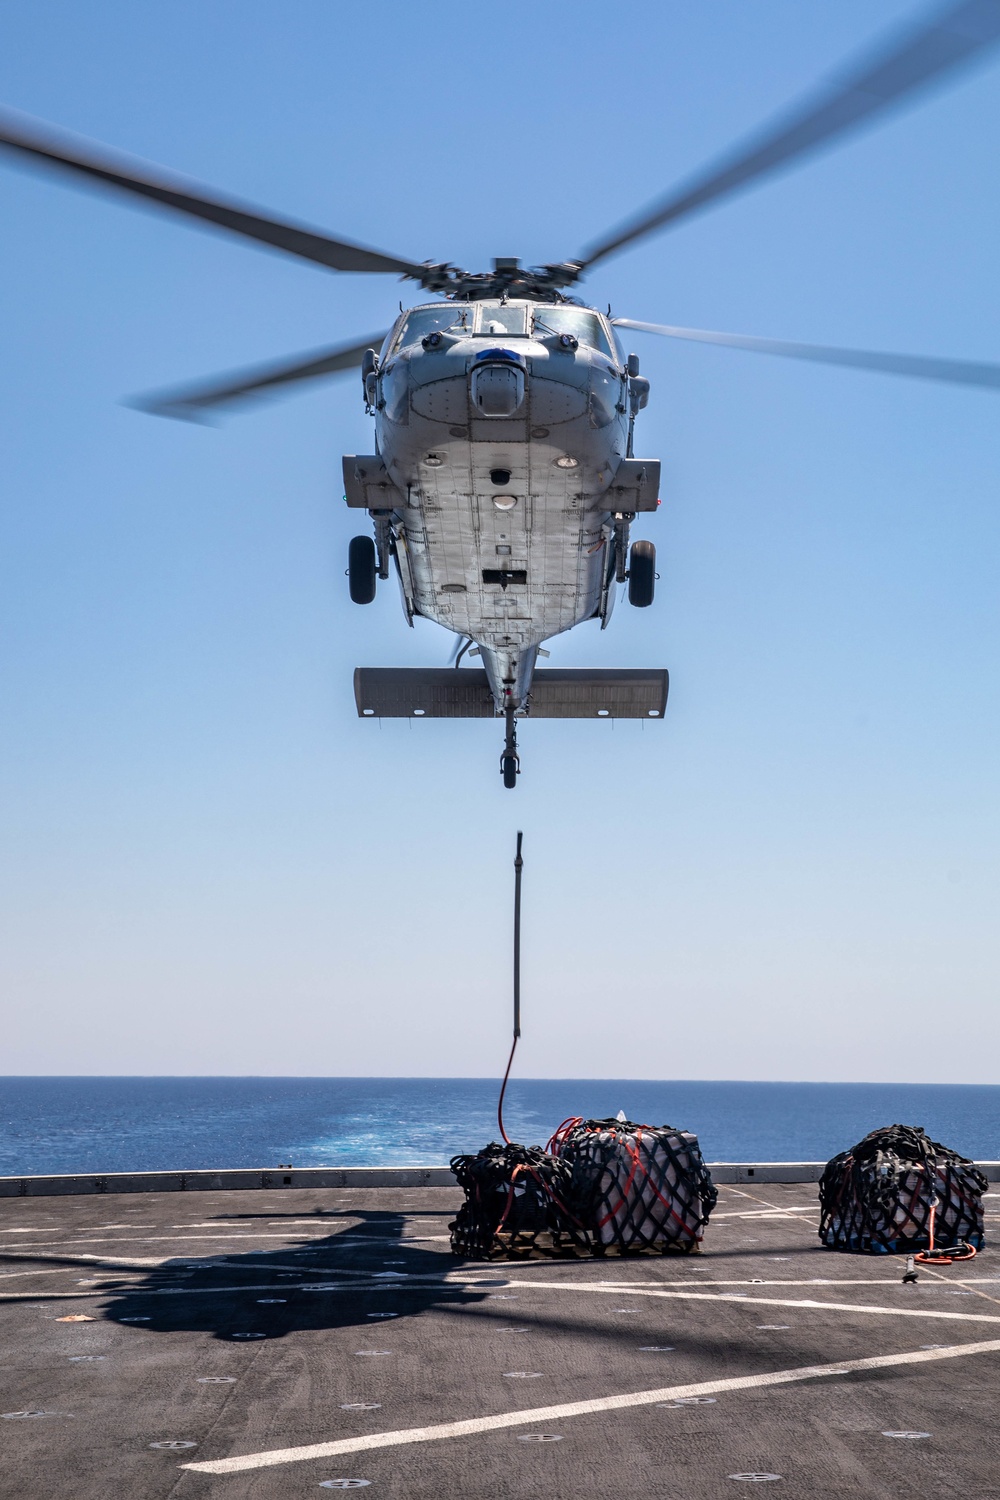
{"points": [[336, 1228], [736, 1297], [707, 1284], [172, 1239], [965, 1285], [762, 1213], [57, 1271], [766, 1203], [544, 1414], [297, 1245], [753, 1198], [123, 1263], [561, 1286], [203, 1291], [178, 1291], [196, 1263]]}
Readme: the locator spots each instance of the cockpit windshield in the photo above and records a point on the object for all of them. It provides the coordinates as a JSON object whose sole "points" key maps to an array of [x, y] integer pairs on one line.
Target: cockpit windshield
{"points": [[583, 325], [504, 320], [443, 317], [502, 317]]}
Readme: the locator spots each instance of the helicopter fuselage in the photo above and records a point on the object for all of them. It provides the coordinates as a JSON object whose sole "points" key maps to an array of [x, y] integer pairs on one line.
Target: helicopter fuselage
{"points": [[503, 486]]}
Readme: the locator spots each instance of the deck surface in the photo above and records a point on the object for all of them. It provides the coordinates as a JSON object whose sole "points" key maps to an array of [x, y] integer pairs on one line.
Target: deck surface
{"points": [[295, 1339]]}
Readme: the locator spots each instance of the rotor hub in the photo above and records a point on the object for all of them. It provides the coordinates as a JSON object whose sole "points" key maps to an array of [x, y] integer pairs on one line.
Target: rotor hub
{"points": [[542, 283]]}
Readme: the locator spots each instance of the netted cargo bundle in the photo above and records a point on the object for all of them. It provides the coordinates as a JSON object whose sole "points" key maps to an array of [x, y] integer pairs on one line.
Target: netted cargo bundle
{"points": [[897, 1191], [636, 1187], [515, 1204]]}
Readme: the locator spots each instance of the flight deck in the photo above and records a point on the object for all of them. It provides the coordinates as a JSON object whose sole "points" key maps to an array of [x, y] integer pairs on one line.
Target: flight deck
{"points": [[239, 1344]]}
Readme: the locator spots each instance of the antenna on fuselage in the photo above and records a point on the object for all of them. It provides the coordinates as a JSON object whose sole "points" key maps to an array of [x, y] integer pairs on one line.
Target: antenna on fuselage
{"points": [[518, 867]]}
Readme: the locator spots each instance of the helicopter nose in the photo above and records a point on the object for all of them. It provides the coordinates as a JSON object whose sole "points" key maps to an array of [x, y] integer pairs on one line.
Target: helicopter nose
{"points": [[497, 390], [497, 384]]}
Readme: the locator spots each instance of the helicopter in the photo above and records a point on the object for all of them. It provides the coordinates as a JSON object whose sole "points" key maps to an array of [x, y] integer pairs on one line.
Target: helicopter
{"points": [[504, 481]]}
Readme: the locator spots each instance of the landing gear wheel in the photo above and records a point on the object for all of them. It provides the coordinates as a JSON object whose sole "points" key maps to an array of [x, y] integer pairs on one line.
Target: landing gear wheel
{"points": [[361, 568], [641, 574], [510, 766]]}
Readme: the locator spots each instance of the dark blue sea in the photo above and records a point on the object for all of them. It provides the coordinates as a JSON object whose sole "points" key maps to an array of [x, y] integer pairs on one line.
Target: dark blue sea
{"points": [[146, 1124]]}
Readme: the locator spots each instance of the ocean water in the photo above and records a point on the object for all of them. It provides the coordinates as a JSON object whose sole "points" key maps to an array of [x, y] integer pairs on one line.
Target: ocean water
{"points": [[147, 1124]]}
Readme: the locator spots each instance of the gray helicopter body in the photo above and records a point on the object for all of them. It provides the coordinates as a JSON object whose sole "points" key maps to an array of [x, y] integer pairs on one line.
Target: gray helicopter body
{"points": [[502, 486]]}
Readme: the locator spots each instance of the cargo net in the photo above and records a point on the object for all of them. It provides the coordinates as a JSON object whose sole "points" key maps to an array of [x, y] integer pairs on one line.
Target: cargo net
{"points": [[600, 1187], [515, 1204], [899, 1192], [636, 1187]]}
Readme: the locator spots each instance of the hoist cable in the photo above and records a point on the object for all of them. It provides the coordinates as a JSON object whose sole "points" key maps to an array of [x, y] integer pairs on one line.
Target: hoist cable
{"points": [[518, 867]]}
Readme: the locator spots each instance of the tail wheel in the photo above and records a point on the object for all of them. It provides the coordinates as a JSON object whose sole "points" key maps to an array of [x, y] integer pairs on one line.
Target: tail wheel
{"points": [[361, 569], [508, 765], [641, 574]]}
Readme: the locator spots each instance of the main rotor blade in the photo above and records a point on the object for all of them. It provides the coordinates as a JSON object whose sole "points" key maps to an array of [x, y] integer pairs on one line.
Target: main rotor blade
{"points": [[950, 38], [922, 367], [40, 144], [192, 403]]}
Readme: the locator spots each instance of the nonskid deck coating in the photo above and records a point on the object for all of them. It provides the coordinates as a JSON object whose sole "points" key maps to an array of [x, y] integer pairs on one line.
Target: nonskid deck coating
{"points": [[385, 1359]]}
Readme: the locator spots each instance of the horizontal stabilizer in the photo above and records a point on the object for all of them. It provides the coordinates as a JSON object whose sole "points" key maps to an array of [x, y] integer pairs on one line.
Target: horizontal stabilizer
{"points": [[464, 693], [434, 692], [602, 693]]}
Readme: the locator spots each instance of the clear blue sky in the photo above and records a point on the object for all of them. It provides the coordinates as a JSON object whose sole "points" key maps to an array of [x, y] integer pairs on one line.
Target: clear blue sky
{"points": [[209, 865]]}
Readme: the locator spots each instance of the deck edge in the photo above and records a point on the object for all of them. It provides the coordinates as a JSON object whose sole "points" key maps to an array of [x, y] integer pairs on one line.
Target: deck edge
{"points": [[278, 1178]]}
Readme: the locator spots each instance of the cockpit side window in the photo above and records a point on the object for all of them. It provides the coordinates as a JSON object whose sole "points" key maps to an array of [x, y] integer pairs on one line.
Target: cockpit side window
{"points": [[502, 318], [443, 317], [583, 325]]}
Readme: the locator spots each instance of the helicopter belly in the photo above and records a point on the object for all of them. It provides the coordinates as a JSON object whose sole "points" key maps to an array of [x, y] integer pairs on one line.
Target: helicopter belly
{"points": [[505, 526], [503, 577]]}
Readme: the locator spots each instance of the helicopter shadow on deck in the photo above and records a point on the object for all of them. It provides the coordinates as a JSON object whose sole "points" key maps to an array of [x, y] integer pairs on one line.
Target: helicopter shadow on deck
{"points": [[224, 1300], [345, 1280]]}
